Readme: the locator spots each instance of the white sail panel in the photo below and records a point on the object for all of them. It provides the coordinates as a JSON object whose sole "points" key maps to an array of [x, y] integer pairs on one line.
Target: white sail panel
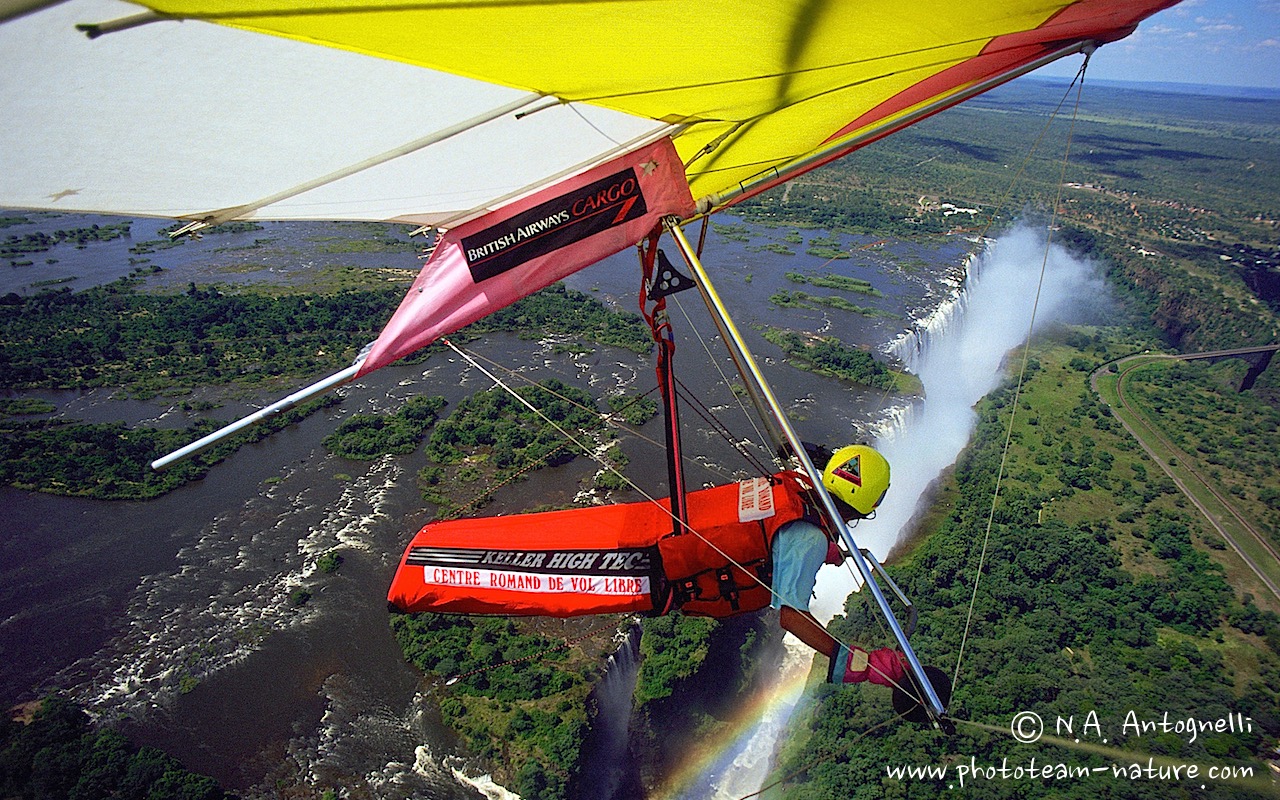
{"points": [[183, 119]]}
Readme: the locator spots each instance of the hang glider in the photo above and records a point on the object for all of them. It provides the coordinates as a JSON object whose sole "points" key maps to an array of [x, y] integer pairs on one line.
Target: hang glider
{"points": [[449, 112], [434, 112], [538, 137]]}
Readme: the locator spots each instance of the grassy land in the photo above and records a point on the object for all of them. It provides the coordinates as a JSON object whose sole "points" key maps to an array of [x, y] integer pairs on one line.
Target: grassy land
{"points": [[1103, 590], [1234, 484], [1071, 453]]}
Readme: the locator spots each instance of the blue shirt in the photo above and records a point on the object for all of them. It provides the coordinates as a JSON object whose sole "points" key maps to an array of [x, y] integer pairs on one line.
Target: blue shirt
{"points": [[799, 549]]}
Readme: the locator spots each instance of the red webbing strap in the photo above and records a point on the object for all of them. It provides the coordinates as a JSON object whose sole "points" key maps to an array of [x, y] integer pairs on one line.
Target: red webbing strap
{"points": [[662, 333]]}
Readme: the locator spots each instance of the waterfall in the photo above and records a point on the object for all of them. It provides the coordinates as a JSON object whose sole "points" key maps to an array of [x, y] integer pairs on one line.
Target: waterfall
{"points": [[910, 347], [958, 351], [608, 773]]}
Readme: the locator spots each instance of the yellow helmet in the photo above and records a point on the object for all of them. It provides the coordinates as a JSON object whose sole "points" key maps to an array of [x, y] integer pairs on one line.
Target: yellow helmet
{"points": [[859, 476]]}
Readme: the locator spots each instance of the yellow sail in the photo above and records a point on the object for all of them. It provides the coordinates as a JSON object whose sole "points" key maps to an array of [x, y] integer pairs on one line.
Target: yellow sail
{"points": [[433, 112]]}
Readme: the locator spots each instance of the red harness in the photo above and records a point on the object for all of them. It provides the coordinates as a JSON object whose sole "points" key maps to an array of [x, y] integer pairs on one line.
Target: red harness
{"points": [[605, 559]]}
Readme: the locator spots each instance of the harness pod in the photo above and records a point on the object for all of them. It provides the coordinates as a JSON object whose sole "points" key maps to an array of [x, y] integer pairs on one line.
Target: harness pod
{"points": [[726, 568], [604, 559]]}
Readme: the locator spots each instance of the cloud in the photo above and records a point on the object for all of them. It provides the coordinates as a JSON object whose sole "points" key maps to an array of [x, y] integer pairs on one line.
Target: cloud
{"points": [[1210, 25], [1202, 41], [1183, 9]]}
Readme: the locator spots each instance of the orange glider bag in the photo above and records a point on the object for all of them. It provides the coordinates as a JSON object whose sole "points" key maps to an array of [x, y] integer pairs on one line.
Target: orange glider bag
{"points": [[603, 559], [597, 560]]}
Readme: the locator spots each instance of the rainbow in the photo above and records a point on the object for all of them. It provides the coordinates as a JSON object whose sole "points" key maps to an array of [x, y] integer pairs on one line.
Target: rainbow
{"points": [[735, 761]]}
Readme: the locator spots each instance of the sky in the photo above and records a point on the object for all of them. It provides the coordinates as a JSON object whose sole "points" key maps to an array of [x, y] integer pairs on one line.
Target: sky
{"points": [[1216, 42]]}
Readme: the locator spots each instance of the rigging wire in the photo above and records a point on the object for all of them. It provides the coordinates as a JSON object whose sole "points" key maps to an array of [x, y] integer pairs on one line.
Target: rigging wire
{"points": [[608, 419], [909, 688], [1008, 436], [709, 417], [605, 419], [560, 429], [724, 379], [1022, 371]]}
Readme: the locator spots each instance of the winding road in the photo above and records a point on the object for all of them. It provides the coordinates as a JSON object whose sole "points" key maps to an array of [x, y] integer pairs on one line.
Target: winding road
{"points": [[1151, 437]]}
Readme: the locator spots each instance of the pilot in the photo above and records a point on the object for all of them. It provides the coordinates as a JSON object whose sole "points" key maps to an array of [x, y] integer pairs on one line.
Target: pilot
{"points": [[856, 477]]}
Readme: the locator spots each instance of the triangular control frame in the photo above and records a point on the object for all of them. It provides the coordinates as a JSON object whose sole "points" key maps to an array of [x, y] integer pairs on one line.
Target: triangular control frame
{"points": [[752, 374]]}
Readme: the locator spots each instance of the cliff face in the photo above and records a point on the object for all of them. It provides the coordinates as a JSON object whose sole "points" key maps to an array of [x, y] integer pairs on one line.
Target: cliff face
{"points": [[518, 689], [606, 769], [1195, 304], [695, 676], [586, 713], [1187, 312]]}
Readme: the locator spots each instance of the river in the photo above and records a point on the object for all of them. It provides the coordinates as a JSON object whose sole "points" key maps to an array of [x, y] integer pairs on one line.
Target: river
{"points": [[174, 616]]}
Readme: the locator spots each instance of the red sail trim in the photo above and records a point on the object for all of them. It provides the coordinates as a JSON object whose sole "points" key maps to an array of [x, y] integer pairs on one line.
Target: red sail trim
{"points": [[1102, 20], [494, 260], [600, 560], [1099, 20]]}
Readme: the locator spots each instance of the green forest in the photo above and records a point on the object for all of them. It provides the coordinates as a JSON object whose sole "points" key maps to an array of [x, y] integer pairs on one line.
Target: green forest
{"points": [[111, 460], [491, 439], [520, 698], [58, 753], [366, 436], [14, 247], [1244, 458], [840, 282], [120, 336], [1076, 612], [144, 343], [801, 299]]}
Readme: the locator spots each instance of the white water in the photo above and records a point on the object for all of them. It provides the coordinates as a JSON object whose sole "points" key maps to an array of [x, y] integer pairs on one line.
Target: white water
{"points": [[959, 351], [178, 632]]}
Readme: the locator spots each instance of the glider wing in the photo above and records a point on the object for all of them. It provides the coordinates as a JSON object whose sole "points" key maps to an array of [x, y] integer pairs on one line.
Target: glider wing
{"points": [[436, 112]]}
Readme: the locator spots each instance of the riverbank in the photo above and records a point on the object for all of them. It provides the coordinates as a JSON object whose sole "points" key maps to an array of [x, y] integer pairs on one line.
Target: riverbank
{"points": [[1069, 591]]}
